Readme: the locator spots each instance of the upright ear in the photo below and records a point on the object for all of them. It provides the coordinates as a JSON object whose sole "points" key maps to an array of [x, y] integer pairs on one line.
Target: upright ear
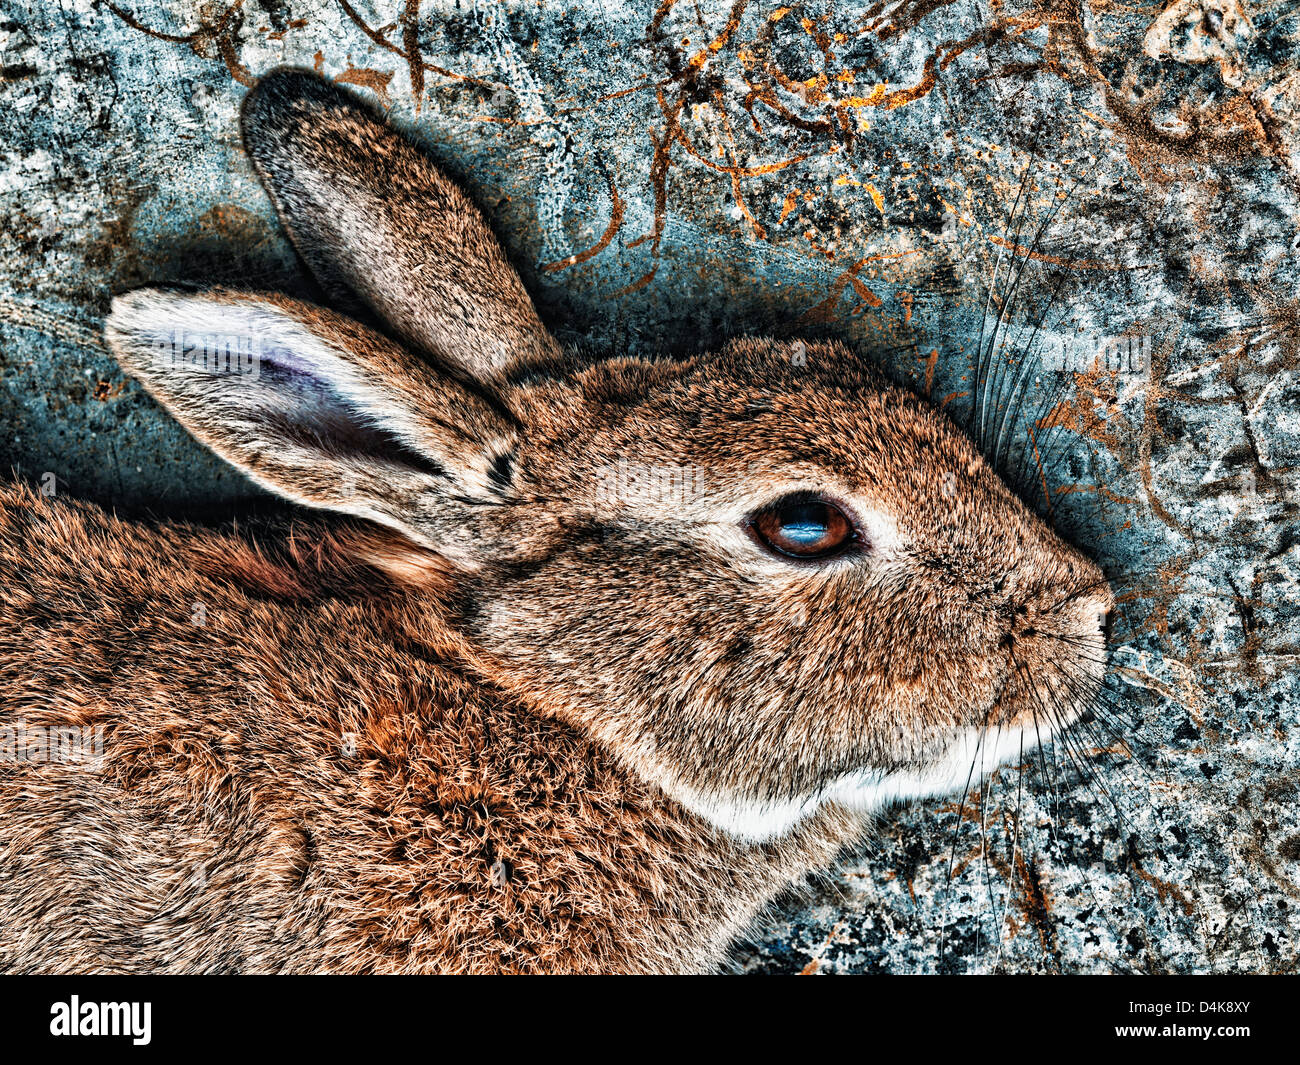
{"points": [[323, 411], [372, 215]]}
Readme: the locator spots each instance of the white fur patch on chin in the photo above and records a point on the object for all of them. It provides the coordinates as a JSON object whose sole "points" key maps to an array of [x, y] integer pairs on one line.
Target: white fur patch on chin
{"points": [[972, 753], [747, 819]]}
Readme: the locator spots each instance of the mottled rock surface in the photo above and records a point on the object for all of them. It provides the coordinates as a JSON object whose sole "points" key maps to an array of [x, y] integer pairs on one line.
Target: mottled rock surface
{"points": [[1099, 200]]}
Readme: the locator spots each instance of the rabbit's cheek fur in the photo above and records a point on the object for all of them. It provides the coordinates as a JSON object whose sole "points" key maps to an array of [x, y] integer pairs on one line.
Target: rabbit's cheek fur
{"points": [[754, 695]]}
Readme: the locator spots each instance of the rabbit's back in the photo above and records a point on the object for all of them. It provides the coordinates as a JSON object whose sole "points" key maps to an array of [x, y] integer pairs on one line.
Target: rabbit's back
{"points": [[215, 765]]}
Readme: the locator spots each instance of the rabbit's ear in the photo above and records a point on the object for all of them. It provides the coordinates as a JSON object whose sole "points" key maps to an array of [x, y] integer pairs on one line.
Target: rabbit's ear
{"points": [[321, 410], [372, 215]]}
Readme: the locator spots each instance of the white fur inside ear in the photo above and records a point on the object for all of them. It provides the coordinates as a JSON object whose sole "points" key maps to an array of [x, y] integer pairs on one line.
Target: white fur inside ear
{"points": [[290, 399], [250, 358], [176, 339], [972, 754]]}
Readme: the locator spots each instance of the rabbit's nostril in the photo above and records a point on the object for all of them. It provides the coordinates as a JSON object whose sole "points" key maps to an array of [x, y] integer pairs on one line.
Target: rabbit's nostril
{"points": [[1105, 620]]}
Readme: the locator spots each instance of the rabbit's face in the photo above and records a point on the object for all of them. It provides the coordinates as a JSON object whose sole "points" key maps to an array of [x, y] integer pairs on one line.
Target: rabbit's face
{"points": [[773, 579], [765, 579]]}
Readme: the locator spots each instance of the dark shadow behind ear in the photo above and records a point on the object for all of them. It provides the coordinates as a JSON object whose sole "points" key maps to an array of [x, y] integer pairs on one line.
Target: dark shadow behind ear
{"points": [[371, 215]]}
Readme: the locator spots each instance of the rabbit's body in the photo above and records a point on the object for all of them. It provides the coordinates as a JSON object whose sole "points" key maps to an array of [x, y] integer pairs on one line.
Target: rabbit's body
{"points": [[617, 652], [316, 778]]}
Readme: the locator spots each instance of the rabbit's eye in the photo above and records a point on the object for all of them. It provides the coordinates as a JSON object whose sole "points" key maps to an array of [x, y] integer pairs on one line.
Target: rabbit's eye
{"points": [[802, 527]]}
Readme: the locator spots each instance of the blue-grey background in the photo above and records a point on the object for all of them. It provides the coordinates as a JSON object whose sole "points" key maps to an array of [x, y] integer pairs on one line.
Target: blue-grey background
{"points": [[1100, 178]]}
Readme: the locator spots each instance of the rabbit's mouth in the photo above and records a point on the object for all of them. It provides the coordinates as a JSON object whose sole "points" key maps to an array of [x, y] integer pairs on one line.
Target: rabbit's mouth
{"points": [[1051, 681], [1055, 665], [1055, 662]]}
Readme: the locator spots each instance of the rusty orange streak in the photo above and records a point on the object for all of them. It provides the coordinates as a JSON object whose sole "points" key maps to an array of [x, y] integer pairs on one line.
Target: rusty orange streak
{"points": [[1057, 260], [413, 58], [930, 361], [615, 223], [716, 45], [205, 29]]}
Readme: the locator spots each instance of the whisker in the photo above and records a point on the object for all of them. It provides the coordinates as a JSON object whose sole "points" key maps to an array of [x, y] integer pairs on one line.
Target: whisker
{"points": [[1020, 380], [986, 354], [986, 788], [1037, 705], [1015, 839], [956, 834]]}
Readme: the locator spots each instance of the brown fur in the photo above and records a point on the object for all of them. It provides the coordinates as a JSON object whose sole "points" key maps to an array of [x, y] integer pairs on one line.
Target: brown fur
{"points": [[229, 830], [529, 715]]}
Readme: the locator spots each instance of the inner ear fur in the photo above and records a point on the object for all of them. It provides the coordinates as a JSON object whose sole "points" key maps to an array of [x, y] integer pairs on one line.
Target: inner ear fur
{"points": [[321, 410]]}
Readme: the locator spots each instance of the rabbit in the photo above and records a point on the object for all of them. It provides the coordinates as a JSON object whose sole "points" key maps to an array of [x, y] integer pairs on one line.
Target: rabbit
{"points": [[564, 664]]}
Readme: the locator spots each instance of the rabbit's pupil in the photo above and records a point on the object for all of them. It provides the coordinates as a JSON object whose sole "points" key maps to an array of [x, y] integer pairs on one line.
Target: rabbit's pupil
{"points": [[804, 528]]}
